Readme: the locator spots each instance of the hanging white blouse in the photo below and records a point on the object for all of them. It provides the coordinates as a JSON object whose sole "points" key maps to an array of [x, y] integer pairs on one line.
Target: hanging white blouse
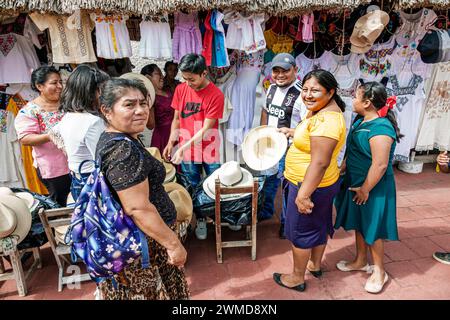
{"points": [[244, 33], [156, 41], [111, 33], [305, 64]]}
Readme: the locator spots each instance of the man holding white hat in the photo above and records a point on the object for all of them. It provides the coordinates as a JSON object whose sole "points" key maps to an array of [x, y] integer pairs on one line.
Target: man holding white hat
{"points": [[283, 109]]}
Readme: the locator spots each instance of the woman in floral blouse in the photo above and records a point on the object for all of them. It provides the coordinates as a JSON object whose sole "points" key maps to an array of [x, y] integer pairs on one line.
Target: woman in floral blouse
{"points": [[32, 125]]}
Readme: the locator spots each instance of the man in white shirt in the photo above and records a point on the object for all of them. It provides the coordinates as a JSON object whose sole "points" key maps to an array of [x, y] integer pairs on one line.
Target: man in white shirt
{"points": [[284, 109]]}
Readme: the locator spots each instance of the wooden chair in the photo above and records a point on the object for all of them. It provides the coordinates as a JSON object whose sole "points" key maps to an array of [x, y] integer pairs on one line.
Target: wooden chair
{"points": [[17, 272], [51, 219], [250, 229]]}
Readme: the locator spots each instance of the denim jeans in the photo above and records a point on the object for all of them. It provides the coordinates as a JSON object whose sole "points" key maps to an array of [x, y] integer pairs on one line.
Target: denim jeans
{"points": [[193, 171], [77, 184], [271, 185]]}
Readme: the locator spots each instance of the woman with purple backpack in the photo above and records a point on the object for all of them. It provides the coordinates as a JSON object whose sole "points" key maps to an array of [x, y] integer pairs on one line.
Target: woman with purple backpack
{"points": [[136, 179]]}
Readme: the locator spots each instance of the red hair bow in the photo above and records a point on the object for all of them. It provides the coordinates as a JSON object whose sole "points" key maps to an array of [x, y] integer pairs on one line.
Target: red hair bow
{"points": [[390, 104]]}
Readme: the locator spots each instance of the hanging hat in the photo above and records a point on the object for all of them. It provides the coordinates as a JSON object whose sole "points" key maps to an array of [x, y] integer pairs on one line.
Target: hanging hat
{"points": [[148, 84], [170, 168], [14, 209], [182, 201], [230, 174], [263, 147], [435, 46], [367, 29]]}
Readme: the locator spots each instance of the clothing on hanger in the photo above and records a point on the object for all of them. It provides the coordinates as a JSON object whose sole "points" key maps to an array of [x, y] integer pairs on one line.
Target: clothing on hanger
{"points": [[156, 39], [186, 36]]}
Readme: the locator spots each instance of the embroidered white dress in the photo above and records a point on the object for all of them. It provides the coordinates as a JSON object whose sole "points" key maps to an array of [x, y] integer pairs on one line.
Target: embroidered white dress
{"points": [[435, 128], [111, 33], [244, 33]]}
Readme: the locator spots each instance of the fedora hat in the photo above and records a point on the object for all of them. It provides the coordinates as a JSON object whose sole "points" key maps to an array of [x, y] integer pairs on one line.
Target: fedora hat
{"points": [[15, 217], [148, 84], [182, 201], [29, 199], [367, 29], [230, 174], [263, 147], [170, 168]]}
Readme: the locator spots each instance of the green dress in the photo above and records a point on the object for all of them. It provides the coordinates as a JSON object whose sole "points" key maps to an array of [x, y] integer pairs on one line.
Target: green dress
{"points": [[377, 218]]}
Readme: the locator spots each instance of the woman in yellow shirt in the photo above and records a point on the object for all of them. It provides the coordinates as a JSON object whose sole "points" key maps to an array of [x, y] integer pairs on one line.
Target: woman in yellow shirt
{"points": [[312, 173]]}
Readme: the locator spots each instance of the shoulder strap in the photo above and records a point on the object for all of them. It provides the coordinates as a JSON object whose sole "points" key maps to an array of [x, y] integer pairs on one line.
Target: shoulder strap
{"points": [[120, 138]]}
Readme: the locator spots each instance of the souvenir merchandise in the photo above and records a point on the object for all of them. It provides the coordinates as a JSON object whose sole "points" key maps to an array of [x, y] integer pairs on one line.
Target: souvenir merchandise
{"points": [[207, 50], [71, 43], [367, 29], [186, 36], [248, 70], [156, 41], [305, 64], [377, 62], [113, 39], [245, 32], [435, 46], [434, 130], [219, 53]]}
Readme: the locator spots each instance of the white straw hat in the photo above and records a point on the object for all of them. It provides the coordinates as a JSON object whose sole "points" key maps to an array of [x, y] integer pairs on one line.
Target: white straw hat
{"points": [[12, 205], [367, 29], [148, 84], [263, 147], [230, 174]]}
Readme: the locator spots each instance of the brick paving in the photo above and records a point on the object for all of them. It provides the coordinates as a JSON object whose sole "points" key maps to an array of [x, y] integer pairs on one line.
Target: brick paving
{"points": [[424, 227]]}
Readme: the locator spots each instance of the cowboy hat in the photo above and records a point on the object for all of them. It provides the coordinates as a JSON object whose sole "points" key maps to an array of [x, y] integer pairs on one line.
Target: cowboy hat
{"points": [[12, 205], [263, 147], [148, 84], [182, 201], [230, 174], [367, 29], [170, 168]]}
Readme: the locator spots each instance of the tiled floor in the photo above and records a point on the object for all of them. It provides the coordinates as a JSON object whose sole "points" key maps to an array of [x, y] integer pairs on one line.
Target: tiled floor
{"points": [[424, 227]]}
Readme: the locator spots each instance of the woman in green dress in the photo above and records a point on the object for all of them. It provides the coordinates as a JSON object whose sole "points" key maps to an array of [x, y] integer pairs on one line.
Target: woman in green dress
{"points": [[367, 200]]}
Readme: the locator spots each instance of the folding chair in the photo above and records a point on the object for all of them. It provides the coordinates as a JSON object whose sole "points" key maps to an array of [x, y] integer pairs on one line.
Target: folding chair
{"points": [[17, 272], [51, 219], [250, 229]]}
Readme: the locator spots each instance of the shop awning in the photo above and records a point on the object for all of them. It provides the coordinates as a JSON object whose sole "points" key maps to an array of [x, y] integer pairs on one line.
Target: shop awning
{"points": [[139, 7]]}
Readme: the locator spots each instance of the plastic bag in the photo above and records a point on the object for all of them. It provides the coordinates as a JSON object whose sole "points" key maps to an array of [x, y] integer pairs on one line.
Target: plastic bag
{"points": [[235, 212]]}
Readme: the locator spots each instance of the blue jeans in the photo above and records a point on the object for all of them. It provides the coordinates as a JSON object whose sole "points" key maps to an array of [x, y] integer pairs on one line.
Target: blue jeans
{"points": [[193, 171], [271, 185], [77, 184]]}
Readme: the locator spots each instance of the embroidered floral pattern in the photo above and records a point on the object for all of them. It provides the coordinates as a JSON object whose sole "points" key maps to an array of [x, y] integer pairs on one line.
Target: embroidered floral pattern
{"points": [[46, 120], [3, 124], [62, 35], [402, 93], [374, 68], [7, 43]]}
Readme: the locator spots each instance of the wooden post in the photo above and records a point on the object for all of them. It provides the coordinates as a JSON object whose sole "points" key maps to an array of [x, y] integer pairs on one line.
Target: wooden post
{"points": [[19, 276], [254, 216], [2, 266], [218, 223]]}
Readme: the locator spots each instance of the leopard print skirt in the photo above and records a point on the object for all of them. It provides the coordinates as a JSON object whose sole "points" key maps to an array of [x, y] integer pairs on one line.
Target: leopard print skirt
{"points": [[161, 281]]}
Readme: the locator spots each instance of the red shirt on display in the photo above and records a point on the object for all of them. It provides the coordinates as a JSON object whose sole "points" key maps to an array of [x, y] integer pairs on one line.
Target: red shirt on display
{"points": [[194, 107]]}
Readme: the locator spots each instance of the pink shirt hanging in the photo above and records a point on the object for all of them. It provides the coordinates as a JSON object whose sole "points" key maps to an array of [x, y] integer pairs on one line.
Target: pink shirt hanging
{"points": [[307, 32]]}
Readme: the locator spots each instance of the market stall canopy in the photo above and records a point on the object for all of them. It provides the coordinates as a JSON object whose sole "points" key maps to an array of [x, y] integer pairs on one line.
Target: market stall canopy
{"points": [[287, 7]]}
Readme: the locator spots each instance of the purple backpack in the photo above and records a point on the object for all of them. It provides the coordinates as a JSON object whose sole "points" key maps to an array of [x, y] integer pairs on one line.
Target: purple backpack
{"points": [[100, 233]]}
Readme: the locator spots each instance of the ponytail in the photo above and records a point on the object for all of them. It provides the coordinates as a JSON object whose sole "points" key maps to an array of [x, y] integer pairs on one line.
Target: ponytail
{"points": [[391, 117], [337, 98]]}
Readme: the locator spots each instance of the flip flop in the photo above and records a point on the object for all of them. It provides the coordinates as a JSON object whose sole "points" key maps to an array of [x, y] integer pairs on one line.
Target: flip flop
{"points": [[300, 287], [342, 265]]}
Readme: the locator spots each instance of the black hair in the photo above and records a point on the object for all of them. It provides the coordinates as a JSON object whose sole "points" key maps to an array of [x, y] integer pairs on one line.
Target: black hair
{"points": [[40, 75], [79, 94], [376, 93], [193, 63], [115, 88], [149, 69], [329, 82], [168, 63]]}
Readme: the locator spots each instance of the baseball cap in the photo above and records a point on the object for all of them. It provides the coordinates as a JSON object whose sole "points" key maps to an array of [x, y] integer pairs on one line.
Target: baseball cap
{"points": [[435, 46], [283, 60]]}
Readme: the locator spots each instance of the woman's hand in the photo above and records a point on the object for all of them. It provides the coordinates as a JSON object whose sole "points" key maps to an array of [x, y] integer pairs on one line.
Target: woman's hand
{"points": [[167, 152], [287, 132], [177, 256], [361, 195], [443, 159], [304, 204]]}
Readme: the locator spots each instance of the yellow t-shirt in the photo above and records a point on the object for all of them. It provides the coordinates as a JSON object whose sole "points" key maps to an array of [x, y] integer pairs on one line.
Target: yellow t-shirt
{"points": [[329, 124]]}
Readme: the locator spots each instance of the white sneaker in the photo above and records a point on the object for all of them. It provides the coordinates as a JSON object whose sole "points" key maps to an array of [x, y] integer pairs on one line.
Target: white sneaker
{"points": [[235, 227], [200, 231]]}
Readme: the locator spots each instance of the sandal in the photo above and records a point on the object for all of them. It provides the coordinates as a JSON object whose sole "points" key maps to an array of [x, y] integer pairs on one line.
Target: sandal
{"points": [[343, 266]]}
